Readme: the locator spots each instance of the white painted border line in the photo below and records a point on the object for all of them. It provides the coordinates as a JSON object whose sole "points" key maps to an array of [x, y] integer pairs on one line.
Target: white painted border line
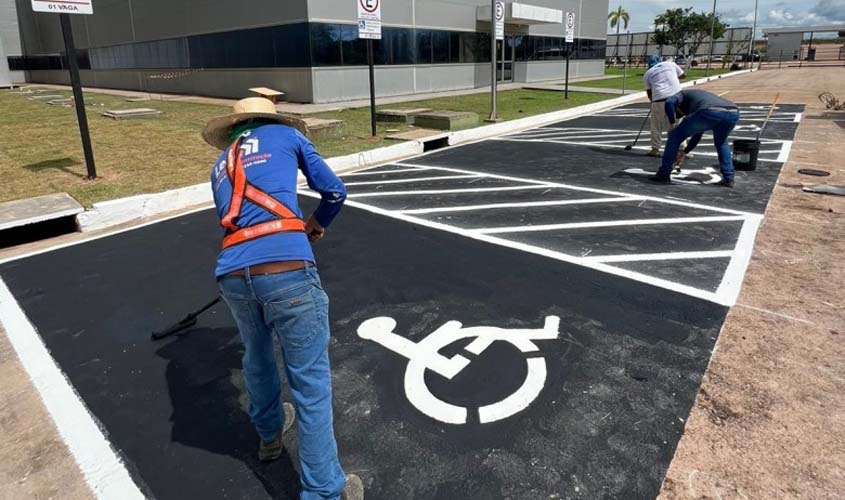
{"points": [[100, 465], [735, 273], [645, 257], [525, 204], [444, 191], [607, 223], [414, 179], [376, 171], [642, 278], [669, 201]]}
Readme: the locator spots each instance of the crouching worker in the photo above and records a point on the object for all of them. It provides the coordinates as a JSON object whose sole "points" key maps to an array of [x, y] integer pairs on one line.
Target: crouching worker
{"points": [[267, 277], [703, 111]]}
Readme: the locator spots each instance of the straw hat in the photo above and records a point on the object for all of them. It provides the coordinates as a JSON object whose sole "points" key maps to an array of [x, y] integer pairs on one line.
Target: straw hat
{"points": [[218, 132]]}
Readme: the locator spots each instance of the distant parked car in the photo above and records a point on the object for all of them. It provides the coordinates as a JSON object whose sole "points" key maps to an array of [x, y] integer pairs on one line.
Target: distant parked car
{"points": [[681, 61]]}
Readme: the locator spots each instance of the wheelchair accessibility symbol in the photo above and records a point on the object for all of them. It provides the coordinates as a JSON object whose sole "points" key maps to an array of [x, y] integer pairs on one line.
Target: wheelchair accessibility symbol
{"points": [[706, 175], [424, 355]]}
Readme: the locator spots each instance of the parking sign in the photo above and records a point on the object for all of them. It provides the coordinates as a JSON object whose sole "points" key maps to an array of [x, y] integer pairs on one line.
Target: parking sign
{"points": [[500, 20], [369, 19], [63, 6], [570, 27]]}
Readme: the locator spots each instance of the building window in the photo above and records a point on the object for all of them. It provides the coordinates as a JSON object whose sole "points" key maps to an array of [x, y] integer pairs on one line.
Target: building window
{"points": [[354, 49], [440, 47], [326, 45], [424, 47]]}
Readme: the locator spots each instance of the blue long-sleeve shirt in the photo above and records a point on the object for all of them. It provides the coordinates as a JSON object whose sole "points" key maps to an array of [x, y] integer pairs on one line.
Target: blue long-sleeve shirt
{"points": [[273, 156]]}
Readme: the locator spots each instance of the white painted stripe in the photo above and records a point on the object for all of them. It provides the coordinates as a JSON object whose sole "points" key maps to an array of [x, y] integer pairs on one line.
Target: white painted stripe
{"points": [[783, 157], [670, 201], [526, 204], [797, 119], [411, 179], [100, 465], [651, 280], [381, 172], [734, 274], [607, 223], [644, 257], [445, 191]]}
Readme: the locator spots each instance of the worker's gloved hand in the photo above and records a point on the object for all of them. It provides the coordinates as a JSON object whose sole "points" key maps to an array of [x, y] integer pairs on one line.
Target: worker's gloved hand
{"points": [[314, 230]]}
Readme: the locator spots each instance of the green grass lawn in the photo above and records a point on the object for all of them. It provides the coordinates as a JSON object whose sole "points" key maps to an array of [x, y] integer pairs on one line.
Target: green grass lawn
{"points": [[40, 151], [634, 80]]}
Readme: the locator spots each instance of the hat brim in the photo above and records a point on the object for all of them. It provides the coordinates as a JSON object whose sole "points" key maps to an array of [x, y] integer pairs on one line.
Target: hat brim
{"points": [[218, 131]]}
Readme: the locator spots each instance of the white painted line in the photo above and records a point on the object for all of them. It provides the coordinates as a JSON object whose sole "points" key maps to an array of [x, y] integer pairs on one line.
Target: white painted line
{"points": [[100, 465], [526, 204], [670, 201], [607, 223], [644, 257], [381, 172], [734, 274], [105, 234], [651, 280], [797, 119], [783, 157], [444, 191], [410, 179]]}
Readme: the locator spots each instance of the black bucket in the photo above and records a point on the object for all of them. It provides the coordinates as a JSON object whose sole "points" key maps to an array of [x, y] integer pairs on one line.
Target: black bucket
{"points": [[745, 154]]}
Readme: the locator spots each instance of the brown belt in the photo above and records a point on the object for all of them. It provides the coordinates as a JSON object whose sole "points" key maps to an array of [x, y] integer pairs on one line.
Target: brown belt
{"points": [[273, 268]]}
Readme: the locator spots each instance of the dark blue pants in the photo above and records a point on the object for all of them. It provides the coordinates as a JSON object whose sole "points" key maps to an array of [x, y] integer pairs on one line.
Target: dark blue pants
{"points": [[720, 122]]}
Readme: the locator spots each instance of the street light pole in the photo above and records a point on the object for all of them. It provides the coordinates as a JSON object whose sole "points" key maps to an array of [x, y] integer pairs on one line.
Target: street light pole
{"points": [[712, 30], [753, 34]]}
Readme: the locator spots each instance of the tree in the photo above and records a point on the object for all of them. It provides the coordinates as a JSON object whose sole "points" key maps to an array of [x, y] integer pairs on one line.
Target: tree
{"points": [[617, 17], [672, 29], [699, 25], [687, 30]]}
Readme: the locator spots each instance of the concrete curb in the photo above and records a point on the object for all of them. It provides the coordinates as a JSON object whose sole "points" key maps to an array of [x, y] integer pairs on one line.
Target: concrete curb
{"points": [[122, 210]]}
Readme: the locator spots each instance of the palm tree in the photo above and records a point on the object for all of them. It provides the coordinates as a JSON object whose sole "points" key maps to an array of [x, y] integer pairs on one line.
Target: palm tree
{"points": [[617, 17]]}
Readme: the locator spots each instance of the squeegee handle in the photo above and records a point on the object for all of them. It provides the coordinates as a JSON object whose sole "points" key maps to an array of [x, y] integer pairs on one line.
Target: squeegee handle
{"points": [[771, 110]]}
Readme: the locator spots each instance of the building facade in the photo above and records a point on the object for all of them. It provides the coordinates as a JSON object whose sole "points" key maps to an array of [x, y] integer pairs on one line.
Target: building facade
{"points": [[308, 48], [10, 41], [636, 46]]}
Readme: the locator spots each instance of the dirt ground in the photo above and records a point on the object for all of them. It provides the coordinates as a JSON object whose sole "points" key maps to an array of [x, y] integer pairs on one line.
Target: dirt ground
{"points": [[769, 422]]}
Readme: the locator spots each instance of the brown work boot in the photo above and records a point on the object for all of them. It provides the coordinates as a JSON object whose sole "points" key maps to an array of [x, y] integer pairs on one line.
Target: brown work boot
{"points": [[269, 451], [654, 153], [354, 489]]}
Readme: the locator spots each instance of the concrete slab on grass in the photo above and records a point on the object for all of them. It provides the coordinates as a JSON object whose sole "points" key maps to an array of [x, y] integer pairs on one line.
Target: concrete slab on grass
{"points": [[447, 120], [45, 97], [417, 134], [319, 128], [122, 114], [42, 208], [400, 115]]}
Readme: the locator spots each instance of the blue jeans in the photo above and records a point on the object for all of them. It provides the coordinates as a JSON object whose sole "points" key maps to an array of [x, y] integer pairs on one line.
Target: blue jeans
{"points": [[292, 307], [721, 123]]}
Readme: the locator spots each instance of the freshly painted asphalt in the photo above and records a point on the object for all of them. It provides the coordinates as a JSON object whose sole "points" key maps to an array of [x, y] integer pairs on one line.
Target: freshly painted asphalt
{"points": [[621, 376]]}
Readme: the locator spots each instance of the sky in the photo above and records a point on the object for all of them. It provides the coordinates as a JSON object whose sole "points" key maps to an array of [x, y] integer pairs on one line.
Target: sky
{"points": [[739, 13]]}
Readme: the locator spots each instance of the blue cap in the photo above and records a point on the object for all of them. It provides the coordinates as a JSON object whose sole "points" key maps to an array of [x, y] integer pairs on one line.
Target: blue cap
{"points": [[653, 61]]}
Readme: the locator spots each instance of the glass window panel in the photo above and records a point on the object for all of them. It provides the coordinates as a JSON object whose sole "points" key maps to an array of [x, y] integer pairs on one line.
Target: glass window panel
{"points": [[423, 47], [440, 47], [354, 49], [325, 45], [291, 46]]}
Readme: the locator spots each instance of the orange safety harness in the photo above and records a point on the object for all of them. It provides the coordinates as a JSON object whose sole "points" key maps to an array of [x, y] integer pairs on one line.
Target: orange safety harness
{"points": [[286, 220]]}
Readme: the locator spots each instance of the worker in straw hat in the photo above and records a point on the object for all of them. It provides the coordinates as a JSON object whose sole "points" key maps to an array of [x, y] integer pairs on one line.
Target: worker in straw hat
{"points": [[267, 277]]}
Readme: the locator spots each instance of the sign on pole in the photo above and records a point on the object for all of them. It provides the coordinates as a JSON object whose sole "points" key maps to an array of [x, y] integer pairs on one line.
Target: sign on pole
{"points": [[500, 20], [369, 19], [570, 27], [63, 6]]}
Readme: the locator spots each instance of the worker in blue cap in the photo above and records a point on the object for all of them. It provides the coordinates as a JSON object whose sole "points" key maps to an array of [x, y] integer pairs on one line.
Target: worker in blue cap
{"points": [[662, 81]]}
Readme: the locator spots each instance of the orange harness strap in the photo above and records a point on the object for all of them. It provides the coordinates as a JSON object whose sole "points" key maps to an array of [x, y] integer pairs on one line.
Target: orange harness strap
{"points": [[286, 220]]}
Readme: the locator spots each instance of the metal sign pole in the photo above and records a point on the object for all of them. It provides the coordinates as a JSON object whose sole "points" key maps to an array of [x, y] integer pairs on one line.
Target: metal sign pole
{"points": [[73, 68], [566, 88], [371, 62], [493, 82]]}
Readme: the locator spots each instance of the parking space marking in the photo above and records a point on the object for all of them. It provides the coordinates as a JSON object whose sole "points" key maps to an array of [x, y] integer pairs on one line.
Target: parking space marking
{"points": [[526, 204], [608, 223], [771, 150], [413, 179], [748, 113], [726, 293]]}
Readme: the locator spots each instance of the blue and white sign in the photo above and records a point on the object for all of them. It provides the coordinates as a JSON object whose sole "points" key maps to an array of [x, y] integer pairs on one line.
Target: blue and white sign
{"points": [[369, 19], [570, 27], [499, 19]]}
